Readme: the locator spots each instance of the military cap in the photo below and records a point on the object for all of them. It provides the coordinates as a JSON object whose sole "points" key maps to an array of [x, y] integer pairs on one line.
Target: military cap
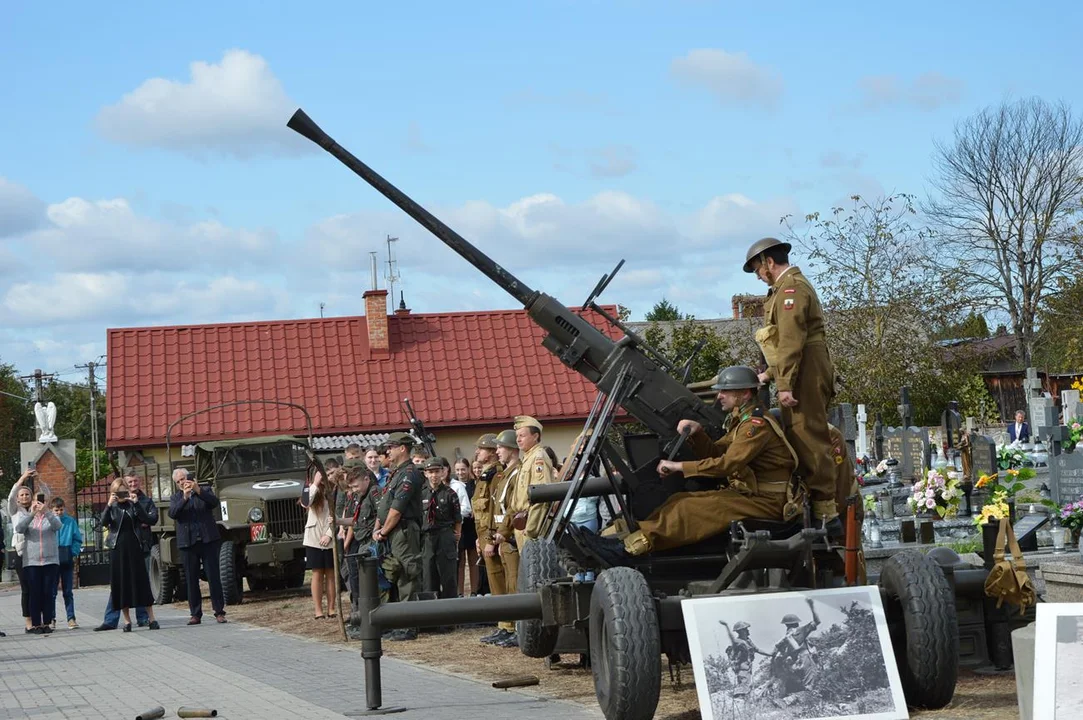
{"points": [[759, 246], [740, 625], [791, 619], [486, 442], [506, 438], [736, 377], [353, 462], [436, 462], [522, 421], [400, 438]]}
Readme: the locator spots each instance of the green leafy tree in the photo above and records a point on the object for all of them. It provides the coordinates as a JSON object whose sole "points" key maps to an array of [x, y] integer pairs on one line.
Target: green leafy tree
{"points": [[882, 292], [664, 310], [1059, 345], [972, 326], [677, 341], [16, 422], [976, 401]]}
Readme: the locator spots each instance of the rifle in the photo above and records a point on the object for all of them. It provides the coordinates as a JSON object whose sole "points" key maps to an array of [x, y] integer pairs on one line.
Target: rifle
{"points": [[426, 438]]}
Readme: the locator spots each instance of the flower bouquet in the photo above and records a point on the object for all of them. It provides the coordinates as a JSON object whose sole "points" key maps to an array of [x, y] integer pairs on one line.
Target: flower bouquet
{"points": [[1071, 517], [937, 491], [994, 510], [1010, 457]]}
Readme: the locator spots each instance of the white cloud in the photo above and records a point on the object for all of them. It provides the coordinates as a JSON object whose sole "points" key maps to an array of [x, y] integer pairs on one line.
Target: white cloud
{"points": [[927, 91], [85, 235], [733, 78], [20, 209], [235, 107], [608, 161]]}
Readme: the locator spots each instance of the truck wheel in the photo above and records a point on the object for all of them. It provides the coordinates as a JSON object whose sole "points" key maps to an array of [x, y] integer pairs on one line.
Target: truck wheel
{"points": [[625, 647], [163, 578], [295, 574], [920, 608], [230, 569], [538, 564]]}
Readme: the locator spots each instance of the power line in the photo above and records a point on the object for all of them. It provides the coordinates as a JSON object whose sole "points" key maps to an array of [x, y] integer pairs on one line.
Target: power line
{"points": [[91, 382]]}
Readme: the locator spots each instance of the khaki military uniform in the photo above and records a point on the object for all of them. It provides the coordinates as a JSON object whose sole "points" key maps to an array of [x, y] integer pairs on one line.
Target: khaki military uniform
{"points": [[846, 487], [482, 504], [503, 487], [403, 493], [759, 465], [794, 343], [534, 469]]}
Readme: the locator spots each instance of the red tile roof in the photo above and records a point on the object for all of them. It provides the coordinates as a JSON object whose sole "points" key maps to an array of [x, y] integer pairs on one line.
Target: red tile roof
{"points": [[458, 369]]}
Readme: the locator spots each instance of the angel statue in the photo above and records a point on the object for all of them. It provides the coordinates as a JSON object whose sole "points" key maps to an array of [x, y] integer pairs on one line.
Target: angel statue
{"points": [[46, 415]]}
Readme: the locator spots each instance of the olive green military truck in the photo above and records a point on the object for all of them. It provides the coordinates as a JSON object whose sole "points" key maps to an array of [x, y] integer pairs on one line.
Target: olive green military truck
{"points": [[258, 483]]}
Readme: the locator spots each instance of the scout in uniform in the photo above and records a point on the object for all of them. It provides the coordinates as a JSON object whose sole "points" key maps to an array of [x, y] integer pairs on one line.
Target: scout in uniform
{"points": [[399, 519], [441, 524], [505, 546], [524, 520], [359, 518], [794, 344], [755, 458]]}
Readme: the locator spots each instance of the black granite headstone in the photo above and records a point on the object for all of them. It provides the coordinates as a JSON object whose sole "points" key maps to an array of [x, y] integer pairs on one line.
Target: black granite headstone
{"points": [[910, 446], [1026, 530], [983, 455]]}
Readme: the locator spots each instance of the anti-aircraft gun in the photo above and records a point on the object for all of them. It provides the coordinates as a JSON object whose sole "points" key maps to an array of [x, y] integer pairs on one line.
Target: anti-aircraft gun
{"points": [[633, 613], [638, 376]]}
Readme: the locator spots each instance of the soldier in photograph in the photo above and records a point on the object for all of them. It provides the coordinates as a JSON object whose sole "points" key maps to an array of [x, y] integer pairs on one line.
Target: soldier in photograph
{"points": [[741, 654], [794, 344], [793, 663]]}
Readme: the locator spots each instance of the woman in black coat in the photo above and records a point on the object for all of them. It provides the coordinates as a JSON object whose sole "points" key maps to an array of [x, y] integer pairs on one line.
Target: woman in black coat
{"points": [[129, 582]]}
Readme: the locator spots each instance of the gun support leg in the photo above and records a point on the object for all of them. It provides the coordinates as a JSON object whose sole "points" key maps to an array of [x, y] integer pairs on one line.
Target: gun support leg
{"points": [[371, 645]]}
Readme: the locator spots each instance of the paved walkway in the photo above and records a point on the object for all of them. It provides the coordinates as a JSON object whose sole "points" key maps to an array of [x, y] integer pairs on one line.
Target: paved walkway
{"points": [[244, 672]]}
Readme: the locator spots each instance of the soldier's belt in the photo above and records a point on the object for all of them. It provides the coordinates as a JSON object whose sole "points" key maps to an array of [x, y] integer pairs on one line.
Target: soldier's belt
{"points": [[777, 487]]}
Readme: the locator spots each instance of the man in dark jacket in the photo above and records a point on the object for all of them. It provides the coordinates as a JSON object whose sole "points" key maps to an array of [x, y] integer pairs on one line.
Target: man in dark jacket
{"points": [[198, 539], [146, 539]]}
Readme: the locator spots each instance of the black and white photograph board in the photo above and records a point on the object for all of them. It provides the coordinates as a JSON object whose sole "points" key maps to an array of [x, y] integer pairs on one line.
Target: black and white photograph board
{"points": [[1058, 661], [808, 655]]}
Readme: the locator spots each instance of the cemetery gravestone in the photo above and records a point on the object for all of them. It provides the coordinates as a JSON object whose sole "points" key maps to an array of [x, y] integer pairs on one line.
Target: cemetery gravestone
{"points": [[861, 447], [1066, 476], [910, 446], [983, 456], [1070, 405]]}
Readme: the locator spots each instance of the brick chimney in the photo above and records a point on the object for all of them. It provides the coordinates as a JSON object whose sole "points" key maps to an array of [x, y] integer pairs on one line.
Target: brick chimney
{"points": [[376, 319]]}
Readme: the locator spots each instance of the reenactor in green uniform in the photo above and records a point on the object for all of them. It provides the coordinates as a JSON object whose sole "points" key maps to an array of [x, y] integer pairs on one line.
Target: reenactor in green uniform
{"points": [[441, 525], [501, 490], [359, 518], [753, 457], [399, 522], [794, 344]]}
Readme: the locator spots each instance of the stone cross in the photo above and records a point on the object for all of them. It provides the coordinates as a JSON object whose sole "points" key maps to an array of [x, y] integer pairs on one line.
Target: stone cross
{"points": [[1032, 385], [862, 440], [904, 407]]}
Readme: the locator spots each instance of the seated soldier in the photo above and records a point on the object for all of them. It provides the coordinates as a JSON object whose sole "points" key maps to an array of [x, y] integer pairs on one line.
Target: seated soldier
{"points": [[753, 457]]}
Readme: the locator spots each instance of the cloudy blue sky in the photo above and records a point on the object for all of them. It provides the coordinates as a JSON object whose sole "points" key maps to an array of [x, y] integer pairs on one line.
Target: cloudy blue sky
{"points": [[147, 177]]}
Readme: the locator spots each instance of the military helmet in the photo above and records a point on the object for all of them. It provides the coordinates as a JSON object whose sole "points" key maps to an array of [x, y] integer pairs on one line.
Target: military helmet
{"points": [[486, 442], [737, 377], [740, 625], [759, 246], [791, 619], [506, 438]]}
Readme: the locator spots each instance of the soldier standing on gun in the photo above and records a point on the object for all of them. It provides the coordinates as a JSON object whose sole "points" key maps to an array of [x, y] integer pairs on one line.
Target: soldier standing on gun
{"points": [[793, 662], [741, 653], [441, 526], [502, 488], [483, 505], [400, 521], [794, 344]]}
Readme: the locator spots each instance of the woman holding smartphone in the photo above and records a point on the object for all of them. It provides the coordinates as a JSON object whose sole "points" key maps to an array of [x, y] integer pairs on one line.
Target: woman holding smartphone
{"points": [[129, 584], [19, 501], [41, 562]]}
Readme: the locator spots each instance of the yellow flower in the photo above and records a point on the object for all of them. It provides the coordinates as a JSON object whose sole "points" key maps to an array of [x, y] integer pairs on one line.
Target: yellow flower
{"points": [[985, 480]]}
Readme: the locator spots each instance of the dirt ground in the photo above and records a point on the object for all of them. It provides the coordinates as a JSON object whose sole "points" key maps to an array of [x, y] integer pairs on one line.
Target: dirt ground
{"points": [[976, 697]]}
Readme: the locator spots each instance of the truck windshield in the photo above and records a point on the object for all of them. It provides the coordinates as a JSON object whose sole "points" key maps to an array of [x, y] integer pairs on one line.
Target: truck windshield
{"points": [[259, 460]]}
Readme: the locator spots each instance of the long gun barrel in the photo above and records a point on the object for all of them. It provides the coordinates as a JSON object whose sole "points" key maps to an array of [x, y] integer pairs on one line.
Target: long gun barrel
{"points": [[659, 400]]}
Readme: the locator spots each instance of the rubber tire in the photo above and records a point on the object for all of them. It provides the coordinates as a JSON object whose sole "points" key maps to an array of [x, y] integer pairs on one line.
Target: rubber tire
{"points": [[163, 578], [625, 645], [231, 573], [295, 574], [920, 607], [538, 564]]}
